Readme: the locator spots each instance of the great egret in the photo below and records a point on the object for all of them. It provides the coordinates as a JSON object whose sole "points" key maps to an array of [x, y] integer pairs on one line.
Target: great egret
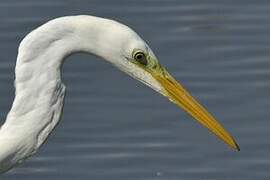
{"points": [[40, 93]]}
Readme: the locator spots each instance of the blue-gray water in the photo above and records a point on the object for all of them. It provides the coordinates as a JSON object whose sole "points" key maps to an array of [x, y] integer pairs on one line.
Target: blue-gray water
{"points": [[115, 128]]}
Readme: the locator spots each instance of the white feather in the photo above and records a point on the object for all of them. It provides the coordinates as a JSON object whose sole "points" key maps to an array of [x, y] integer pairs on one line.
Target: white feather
{"points": [[40, 93]]}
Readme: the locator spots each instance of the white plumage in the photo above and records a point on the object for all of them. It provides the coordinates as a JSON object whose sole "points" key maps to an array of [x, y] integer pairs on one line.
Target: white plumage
{"points": [[39, 99]]}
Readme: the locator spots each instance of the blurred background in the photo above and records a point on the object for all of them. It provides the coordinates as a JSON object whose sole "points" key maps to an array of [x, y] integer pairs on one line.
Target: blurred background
{"points": [[116, 128]]}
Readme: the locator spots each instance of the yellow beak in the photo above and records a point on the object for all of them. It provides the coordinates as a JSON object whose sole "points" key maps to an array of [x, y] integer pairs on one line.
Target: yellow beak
{"points": [[177, 94]]}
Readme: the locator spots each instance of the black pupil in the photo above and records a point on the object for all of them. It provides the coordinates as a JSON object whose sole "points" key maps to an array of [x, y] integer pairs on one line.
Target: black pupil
{"points": [[140, 57]]}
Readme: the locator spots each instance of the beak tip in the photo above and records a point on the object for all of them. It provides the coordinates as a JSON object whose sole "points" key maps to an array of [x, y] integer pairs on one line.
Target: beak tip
{"points": [[236, 146]]}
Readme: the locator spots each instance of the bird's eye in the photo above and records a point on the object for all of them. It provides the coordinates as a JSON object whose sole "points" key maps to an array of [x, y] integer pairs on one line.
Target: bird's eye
{"points": [[140, 57]]}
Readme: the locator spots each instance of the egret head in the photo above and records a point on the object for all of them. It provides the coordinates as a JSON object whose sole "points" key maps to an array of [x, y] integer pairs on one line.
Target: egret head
{"points": [[138, 60]]}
